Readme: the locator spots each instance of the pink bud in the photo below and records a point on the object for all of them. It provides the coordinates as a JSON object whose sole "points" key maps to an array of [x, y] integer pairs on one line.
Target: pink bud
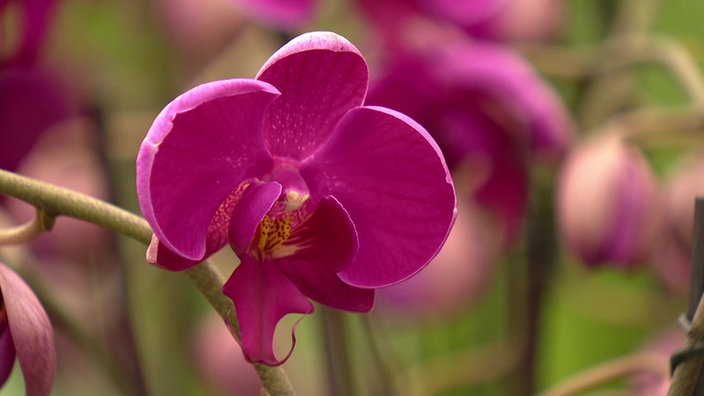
{"points": [[684, 184], [607, 203]]}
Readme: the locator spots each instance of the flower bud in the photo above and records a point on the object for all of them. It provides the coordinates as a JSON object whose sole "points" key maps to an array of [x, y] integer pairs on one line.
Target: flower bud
{"points": [[683, 185], [607, 203]]}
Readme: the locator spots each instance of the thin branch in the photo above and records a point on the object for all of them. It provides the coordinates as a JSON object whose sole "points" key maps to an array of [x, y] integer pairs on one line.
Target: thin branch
{"points": [[56, 201], [609, 371], [23, 233]]}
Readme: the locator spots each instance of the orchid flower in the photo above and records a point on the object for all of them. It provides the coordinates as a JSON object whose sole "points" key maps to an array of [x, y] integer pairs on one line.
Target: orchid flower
{"points": [[321, 197], [25, 334], [490, 113], [608, 203]]}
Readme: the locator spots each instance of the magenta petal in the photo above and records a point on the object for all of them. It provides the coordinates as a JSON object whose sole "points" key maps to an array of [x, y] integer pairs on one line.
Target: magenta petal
{"points": [[262, 296], [256, 201], [199, 149], [326, 287], [329, 244], [162, 257], [7, 355], [31, 332], [30, 103], [391, 178], [216, 237], [320, 76]]}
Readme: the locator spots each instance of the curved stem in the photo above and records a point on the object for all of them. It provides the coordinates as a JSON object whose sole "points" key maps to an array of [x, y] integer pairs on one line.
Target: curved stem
{"points": [[56, 201], [24, 233], [611, 370]]}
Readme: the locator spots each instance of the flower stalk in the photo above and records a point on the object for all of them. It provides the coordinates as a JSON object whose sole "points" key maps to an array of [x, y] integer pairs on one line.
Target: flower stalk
{"points": [[57, 201], [609, 371], [26, 232]]}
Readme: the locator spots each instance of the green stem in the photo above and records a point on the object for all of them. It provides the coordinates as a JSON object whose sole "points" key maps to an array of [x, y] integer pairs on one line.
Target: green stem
{"points": [[337, 352], [26, 232], [609, 371], [56, 201]]}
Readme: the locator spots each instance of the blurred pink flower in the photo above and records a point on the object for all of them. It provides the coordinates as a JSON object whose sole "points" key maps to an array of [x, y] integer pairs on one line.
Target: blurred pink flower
{"points": [[608, 203], [488, 111], [31, 99], [199, 29], [25, 334], [35, 17], [683, 183], [500, 20]]}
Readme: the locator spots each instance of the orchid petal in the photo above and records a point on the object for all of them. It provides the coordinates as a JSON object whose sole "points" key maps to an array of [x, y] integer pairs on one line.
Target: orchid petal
{"points": [[31, 333], [7, 355], [327, 244], [262, 296], [390, 176], [216, 237], [320, 76], [256, 201], [197, 152]]}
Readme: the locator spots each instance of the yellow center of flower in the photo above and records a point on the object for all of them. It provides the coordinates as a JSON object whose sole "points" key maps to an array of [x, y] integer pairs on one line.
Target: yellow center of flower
{"points": [[277, 233], [273, 233]]}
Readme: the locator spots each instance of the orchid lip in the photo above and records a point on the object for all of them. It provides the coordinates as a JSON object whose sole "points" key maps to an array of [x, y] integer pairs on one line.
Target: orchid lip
{"points": [[277, 234]]}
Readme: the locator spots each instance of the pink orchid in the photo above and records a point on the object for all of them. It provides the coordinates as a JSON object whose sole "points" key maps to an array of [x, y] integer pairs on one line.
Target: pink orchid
{"points": [[489, 111], [25, 334], [320, 196]]}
